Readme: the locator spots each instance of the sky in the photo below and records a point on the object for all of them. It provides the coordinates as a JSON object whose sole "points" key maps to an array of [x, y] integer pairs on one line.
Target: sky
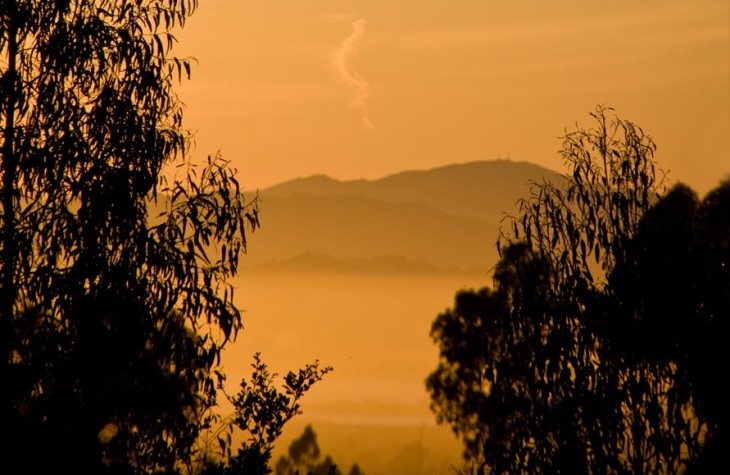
{"points": [[365, 88]]}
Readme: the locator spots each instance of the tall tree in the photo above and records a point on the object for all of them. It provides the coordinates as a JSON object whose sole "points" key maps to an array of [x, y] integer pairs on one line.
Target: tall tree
{"points": [[578, 362], [110, 320]]}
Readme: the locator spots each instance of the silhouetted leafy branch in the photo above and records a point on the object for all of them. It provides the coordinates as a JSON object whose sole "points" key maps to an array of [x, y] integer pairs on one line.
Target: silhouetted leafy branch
{"points": [[260, 412]]}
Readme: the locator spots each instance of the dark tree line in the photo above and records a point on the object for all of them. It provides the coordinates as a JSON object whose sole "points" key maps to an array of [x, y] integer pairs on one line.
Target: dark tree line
{"points": [[112, 315], [601, 347]]}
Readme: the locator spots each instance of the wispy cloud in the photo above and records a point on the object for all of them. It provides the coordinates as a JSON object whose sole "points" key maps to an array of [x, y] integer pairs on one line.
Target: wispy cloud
{"points": [[343, 64]]}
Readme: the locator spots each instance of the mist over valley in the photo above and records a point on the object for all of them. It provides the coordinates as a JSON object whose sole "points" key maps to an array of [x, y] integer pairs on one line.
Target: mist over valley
{"points": [[353, 274]]}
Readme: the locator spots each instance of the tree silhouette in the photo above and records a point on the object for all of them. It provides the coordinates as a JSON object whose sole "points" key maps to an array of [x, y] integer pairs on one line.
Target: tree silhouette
{"points": [[260, 413], [589, 355], [304, 451], [304, 458], [355, 470], [110, 320]]}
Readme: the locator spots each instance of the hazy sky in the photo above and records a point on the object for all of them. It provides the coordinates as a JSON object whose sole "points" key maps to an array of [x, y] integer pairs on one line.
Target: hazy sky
{"points": [[364, 88]]}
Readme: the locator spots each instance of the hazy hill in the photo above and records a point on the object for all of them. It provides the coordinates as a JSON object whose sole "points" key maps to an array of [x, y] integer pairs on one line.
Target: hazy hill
{"points": [[354, 227], [446, 218], [480, 190]]}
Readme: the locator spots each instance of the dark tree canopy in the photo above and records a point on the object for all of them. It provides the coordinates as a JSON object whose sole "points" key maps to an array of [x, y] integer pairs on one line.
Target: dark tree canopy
{"points": [[110, 320], [599, 348], [672, 298]]}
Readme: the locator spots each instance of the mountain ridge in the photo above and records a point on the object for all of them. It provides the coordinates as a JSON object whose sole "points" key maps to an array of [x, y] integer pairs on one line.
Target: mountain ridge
{"points": [[447, 217], [325, 179], [466, 189]]}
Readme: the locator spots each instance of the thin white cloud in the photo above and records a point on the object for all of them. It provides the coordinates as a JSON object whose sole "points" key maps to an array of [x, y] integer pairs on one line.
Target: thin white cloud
{"points": [[343, 65]]}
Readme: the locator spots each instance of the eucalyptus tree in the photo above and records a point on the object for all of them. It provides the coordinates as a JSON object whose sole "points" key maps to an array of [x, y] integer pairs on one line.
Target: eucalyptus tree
{"points": [[585, 413], [590, 355], [110, 319]]}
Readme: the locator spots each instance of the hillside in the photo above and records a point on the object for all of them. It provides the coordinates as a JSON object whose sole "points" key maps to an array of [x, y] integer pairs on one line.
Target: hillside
{"points": [[480, 190], [445, 218], [354, 227]]}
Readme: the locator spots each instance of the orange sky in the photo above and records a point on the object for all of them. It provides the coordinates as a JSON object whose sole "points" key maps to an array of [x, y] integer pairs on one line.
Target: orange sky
{"points": [[364, 88]]}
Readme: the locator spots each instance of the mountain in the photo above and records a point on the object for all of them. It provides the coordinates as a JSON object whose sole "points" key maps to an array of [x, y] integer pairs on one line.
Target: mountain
{"points": [[480, 190], [446, 218], [355, 227]]}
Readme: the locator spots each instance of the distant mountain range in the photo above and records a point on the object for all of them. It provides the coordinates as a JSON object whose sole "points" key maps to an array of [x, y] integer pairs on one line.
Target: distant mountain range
{"points": [[440, 220], [475, 189]]}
